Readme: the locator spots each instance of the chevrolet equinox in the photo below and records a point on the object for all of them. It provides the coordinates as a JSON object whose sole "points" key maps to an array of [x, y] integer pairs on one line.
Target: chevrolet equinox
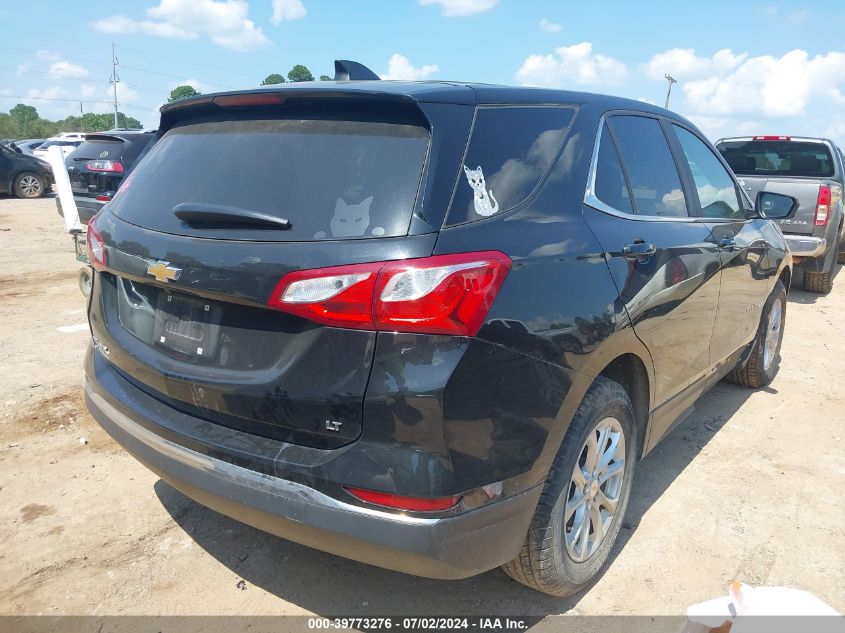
{"points": [[429, 326]]}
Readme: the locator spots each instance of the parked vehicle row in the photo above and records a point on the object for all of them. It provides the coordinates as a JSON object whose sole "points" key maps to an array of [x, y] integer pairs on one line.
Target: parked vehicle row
{"points": [[429, 326], [23, 175]]}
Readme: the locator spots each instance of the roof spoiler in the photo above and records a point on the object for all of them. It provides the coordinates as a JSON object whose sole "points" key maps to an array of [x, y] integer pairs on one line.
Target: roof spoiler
{"points": [[346, 70]]}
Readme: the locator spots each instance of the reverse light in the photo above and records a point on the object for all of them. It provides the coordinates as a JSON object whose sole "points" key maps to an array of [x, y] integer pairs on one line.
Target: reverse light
{"points": [[110, 166], [822, 205], [95, 245], [399, 502], [442, 294]]}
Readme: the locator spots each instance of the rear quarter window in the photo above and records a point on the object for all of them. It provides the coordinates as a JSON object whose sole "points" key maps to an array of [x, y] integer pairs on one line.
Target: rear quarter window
{"points": [[509, 151]]}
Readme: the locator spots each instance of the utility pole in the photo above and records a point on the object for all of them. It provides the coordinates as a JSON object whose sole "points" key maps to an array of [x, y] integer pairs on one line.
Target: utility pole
{"points": [[81, 122], [671, 81], [114, 79]]}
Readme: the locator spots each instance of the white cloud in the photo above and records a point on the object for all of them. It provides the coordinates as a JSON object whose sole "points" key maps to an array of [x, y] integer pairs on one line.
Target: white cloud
{"points": [[549, 27], [48, 56], [576, 63], [224, 22], [400, 67], [683, 64], [798, 17], [196, 84], [53, 92], [287, 10], [21, 69], [125, 94], [66, 69], [460, 8], [766, 86]]}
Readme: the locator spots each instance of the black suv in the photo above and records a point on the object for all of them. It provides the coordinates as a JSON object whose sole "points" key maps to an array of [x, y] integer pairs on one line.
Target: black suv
{"points": [[23, 175], [427, 326], [97, 167]]}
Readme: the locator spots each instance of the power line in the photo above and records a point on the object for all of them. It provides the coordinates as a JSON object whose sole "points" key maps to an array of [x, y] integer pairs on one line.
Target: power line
{"points": [[53, 99], [76, 59], [239, 73], [178, 77], [91, 80]]}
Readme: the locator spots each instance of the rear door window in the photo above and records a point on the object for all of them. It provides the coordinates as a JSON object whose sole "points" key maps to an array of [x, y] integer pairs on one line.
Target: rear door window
{"points": [[510, 150], [713, 184], [653, 175], [331, 179], [778, 158], [98, 149]]}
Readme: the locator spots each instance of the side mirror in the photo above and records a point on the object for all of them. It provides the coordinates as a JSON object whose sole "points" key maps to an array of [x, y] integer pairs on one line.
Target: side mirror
{"points": [[774, 206]]}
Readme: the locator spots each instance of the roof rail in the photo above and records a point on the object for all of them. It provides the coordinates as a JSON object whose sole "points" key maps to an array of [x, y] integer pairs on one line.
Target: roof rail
{"points": [[346, 70]]}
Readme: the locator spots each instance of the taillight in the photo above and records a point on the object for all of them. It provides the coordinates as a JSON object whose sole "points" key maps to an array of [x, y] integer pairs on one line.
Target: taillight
{"points": [[96, 246], [771, 138], [240, 101], [822, 205], [103, 198], [443, 294], [110, 166], [399, 502]]}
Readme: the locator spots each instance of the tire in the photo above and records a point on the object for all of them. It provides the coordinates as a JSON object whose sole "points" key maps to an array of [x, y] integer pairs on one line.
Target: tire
{"points": [[760, 369], [822, 283], [29, 185], [546, 562]]}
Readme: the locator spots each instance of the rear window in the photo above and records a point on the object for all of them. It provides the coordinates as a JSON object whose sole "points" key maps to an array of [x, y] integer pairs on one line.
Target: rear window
{"points": [[510, 150], [778, 158], [331, 179], [105, 149]]}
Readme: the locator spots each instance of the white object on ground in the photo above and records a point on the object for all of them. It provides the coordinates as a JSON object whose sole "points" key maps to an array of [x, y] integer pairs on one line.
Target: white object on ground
{"points": [[57, 163], [723, 613], [67, 329]]}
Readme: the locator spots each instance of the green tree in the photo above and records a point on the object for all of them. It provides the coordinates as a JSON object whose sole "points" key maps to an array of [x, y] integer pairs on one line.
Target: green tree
{"points": [[273, 78], [300, 73], [325, 78], [23, 116], [182, 92]]}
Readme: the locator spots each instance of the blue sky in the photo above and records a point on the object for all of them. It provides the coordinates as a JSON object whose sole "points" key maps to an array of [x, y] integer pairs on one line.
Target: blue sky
{"points": [[776, 68]]}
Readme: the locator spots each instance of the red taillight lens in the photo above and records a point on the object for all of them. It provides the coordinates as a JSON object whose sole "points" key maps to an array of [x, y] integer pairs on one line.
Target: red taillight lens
{"points": [[103, 198], [822, 205], [443, 294], [417, 504], [96, 246], [110, 166], [772, 138]]}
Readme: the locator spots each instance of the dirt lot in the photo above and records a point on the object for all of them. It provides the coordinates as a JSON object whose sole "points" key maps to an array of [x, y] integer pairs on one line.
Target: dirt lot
{"points": [[749, 487]]}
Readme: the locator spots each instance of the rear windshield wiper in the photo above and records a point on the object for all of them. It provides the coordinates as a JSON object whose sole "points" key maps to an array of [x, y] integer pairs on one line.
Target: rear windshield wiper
{"points": [[202, 214]]}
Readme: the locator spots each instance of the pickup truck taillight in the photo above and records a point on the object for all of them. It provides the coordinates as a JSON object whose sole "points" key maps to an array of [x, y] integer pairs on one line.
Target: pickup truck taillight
{"points": [[822, 205]]}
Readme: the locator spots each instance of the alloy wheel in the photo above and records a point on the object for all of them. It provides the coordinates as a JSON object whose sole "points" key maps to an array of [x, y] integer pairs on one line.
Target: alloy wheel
{"points": [[772, 339], [594, 489], [30, 186]]}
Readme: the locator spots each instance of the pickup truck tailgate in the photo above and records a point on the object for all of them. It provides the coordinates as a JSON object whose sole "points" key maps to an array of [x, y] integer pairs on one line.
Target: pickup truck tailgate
{"points": [[805, 190]]}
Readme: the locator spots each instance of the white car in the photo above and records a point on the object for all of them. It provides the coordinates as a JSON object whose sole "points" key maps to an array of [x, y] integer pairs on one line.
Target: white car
{"points": [[68, 143]]}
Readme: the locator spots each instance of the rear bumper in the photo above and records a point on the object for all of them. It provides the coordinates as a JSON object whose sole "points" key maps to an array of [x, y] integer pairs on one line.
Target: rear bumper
{"points": [[448, 548], [87, 207], [806, 246]]}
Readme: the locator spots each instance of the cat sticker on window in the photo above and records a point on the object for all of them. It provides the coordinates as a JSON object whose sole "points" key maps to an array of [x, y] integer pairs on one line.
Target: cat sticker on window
{"points": [[481, 198], [350, 220]]}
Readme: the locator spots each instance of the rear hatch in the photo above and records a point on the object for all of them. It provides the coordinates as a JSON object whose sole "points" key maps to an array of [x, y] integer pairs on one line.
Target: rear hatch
{"points": [[182, 306], [97, 167], [798, 168]]}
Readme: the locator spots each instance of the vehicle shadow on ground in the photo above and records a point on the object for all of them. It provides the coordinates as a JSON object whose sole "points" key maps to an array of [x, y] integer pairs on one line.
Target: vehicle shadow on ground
{"points": [[329, 585]]}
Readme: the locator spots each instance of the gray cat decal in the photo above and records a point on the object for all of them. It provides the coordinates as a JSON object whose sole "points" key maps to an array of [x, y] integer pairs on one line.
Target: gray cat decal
{"points": [[481, 198], [350, 220]]}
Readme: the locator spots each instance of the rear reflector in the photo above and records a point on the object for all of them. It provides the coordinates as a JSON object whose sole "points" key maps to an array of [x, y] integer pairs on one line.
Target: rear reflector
{"points": [[239, 101], [111, 166], [772, 138], [417, 504], [822, 205], [443, 294], [96, 246]]}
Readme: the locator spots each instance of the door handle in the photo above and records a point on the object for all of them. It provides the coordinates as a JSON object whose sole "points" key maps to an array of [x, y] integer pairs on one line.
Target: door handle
{"points": [[639, 250], [726, 243]]}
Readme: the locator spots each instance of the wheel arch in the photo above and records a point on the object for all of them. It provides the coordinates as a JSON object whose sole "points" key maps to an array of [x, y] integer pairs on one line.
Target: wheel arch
{"points": [[629, 370]]}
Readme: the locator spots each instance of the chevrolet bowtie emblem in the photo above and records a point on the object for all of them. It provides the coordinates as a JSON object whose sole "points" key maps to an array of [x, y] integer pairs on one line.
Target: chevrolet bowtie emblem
{"points": [[163, 271]]}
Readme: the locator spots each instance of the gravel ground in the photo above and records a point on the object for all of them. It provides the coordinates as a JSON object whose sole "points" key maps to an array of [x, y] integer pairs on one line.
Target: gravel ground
{"points": [[749, 487]]}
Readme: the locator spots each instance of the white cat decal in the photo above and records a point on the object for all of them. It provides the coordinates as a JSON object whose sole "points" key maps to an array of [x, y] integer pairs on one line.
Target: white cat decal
{"points": [[350, 220], [481, 198]]}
